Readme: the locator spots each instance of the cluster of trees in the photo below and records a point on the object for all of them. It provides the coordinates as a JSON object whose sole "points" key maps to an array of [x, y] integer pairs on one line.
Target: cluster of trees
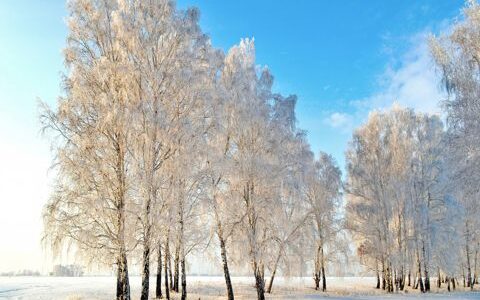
{"points": [[72, 270], [162, 141], [21, 273], [412, 183]]}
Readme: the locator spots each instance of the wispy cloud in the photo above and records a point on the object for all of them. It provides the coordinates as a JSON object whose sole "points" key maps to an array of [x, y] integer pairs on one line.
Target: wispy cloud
{"points": [[411, 81], [414, 83], [339, 120]]}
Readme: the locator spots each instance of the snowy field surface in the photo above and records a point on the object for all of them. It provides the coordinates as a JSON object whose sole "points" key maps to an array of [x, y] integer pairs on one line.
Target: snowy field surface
{"points": [[210, 288]]}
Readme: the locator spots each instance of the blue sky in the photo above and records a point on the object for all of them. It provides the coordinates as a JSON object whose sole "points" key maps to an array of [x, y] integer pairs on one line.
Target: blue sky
{"points": [[329, 53], [342, 58]]}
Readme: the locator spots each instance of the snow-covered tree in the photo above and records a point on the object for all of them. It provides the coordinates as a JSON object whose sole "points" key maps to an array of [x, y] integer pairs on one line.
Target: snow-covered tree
{"points": [[457, 57], [253, 153], [290, 210], [397, 200], [161, 139], [90, 204], [323, 191], [168, 52]]}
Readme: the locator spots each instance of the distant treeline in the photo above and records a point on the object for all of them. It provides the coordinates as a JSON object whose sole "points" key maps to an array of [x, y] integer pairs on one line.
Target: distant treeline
{"points": [[21, 273]]}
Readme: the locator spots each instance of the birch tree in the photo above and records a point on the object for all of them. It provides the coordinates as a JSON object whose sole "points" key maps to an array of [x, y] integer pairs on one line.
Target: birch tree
{"points": [[253, 151], [395, 165], [290, 209], [323, 195], [92, 123], [457, 57], [159, 137]]}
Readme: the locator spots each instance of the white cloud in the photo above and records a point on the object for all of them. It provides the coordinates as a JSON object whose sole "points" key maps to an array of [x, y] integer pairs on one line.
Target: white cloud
{"points": [[415, 83], [339, 120]]}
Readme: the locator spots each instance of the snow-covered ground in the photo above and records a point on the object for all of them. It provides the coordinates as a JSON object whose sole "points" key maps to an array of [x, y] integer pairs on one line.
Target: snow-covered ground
{"points": [[209, 288]]}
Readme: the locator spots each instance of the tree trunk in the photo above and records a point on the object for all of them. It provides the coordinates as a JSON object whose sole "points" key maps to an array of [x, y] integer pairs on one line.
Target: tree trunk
{"points": [[322, 262], [396, 280], [170, 272], [409, 277], [439, 283], [123, 285], [119, 280], [223, 250], [166, 267], [425, 268], [270, 283], [392, 280], [389, 278], [401, 279], [158, 290], [262, 272], [383, 275], [317, 278], [378, 275], [176, 266], [181, 251], [448, 284], [226, 271], [420, 281], [248, 193], [146, 270], [184, 278], [317, 275], [146, 241], [324, 280], [467, 250], [427, 279], [259, 283], [475, 277], [378, 279]]}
